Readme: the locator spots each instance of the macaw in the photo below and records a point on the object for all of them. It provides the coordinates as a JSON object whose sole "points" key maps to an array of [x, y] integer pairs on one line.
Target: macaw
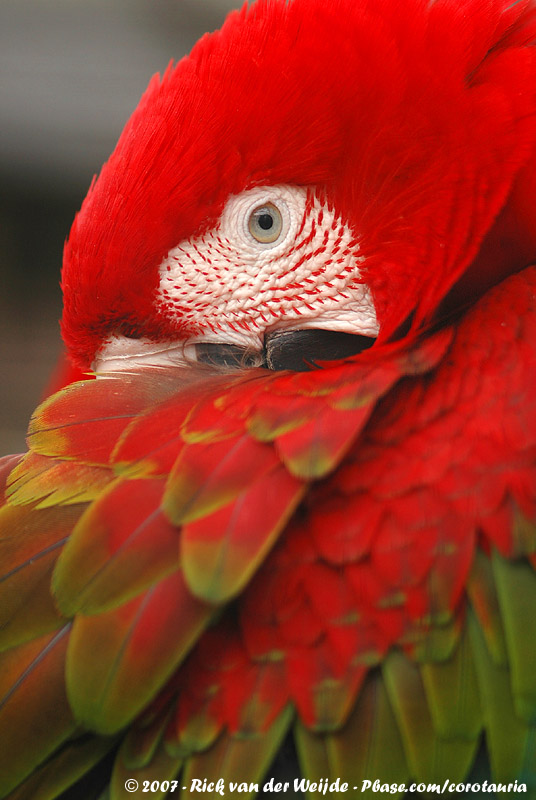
{"points": [[298, 503]]}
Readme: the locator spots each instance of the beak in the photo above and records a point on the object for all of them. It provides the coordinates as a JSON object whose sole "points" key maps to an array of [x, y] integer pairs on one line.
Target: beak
{"points": [[300, 350]]}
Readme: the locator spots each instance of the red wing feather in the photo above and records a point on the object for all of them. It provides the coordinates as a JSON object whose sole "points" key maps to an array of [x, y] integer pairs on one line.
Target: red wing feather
{"points": [[27, 607], [139, 645], [221, 551], [122, 545], [84, 420]]}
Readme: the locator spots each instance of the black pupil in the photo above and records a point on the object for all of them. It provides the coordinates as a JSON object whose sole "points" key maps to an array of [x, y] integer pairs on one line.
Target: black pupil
{"points": [[266, 221]]}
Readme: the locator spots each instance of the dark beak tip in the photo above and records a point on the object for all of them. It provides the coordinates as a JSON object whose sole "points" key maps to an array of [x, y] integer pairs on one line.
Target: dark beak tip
{"points": [[306, 349]]}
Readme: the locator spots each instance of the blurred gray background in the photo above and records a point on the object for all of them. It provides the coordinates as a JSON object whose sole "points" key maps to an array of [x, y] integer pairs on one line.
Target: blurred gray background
{"points": [[71, 72]]}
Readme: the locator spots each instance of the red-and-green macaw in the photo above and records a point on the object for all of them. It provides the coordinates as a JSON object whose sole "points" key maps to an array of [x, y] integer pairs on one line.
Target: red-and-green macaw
{"points": [[300, 497]]}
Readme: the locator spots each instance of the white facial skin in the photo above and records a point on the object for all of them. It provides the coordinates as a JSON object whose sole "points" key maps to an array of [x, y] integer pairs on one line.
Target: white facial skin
{"points": [[278, 259]]}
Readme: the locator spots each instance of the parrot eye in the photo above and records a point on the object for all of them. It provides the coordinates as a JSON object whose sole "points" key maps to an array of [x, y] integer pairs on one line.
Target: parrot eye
{"points": [[265, 223], [265, 218]]}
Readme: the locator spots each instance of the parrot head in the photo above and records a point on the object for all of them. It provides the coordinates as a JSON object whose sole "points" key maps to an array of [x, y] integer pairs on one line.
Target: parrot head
{"points": [[314, 172]]}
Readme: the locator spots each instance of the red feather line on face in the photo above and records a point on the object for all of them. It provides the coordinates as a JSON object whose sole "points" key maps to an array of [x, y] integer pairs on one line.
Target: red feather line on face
{"points": [[414, 118]]}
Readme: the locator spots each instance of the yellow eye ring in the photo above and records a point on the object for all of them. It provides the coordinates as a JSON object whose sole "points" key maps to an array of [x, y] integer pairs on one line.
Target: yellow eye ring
{"points": [[265, 223]]}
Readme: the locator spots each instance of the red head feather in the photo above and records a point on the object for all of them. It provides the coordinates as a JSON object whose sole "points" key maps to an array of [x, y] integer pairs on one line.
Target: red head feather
{"points": [[415, 118]]}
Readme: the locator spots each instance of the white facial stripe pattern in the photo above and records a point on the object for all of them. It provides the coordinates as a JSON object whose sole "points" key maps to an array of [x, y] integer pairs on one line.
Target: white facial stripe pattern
{"points": [[231, 287]]}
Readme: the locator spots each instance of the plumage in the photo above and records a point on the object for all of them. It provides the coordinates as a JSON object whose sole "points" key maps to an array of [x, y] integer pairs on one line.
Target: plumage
{"points": [[204, 552]]}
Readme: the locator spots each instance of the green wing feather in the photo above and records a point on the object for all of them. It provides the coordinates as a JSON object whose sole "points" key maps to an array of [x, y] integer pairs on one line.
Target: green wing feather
{"points": [[368, 744], [35, 716], [238, 760], [516, 590], [122, 545], [60, 772]]}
